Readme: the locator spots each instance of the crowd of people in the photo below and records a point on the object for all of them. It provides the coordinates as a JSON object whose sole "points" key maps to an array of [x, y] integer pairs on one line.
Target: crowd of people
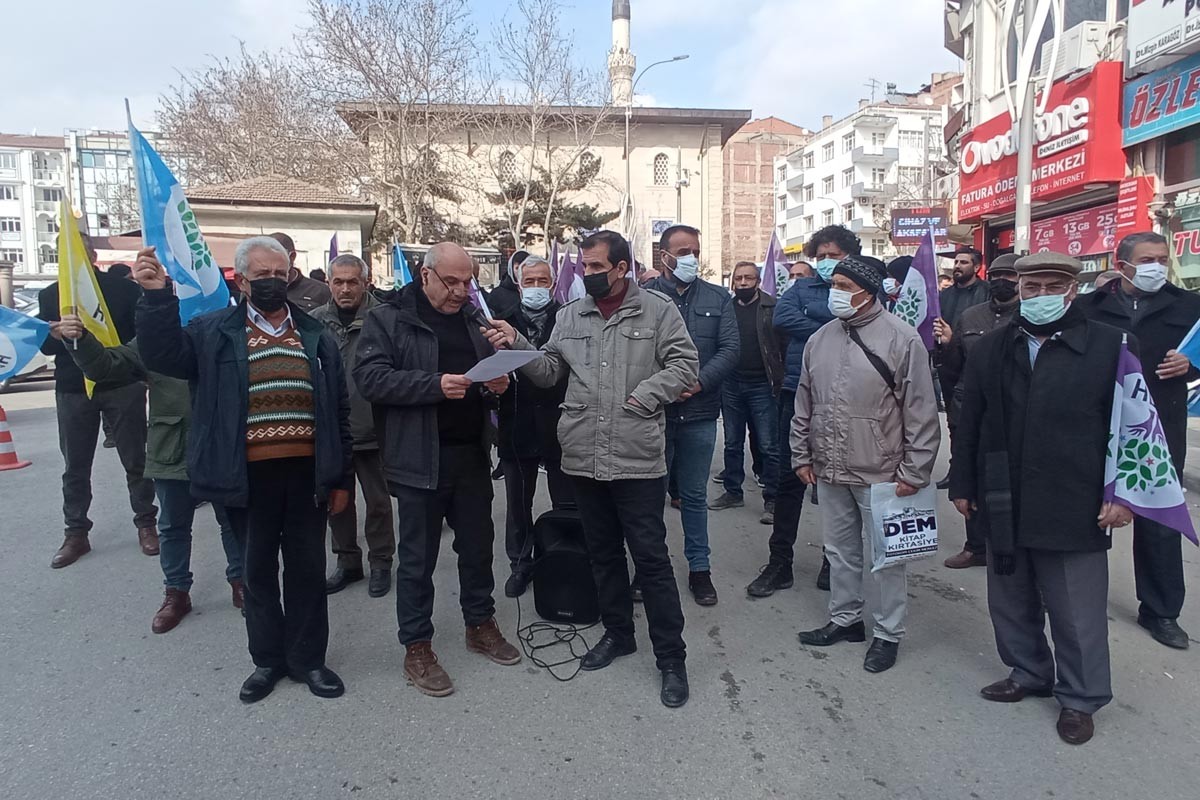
{"points": [[273, 409]]}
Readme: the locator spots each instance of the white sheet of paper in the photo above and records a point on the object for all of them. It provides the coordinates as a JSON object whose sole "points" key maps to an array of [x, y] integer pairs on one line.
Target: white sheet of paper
{"points": [[504, 362]]}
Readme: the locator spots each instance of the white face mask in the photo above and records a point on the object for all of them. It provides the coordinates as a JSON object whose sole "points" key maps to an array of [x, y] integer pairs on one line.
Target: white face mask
{"points": [[1149, 278], [891, 285], [535, 298], [841, 303], [686, 268]]}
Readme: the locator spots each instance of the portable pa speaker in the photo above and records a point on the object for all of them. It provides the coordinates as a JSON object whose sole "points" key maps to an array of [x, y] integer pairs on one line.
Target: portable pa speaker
{"points": [[563, 587]]}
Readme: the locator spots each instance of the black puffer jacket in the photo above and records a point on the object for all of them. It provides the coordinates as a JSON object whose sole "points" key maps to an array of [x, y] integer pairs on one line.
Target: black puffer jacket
{"points": [[708, 313], [528, 413]]}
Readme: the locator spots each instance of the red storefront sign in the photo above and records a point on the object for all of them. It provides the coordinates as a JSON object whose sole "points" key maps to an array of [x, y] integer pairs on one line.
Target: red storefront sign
{"points": [[1080, 233], [1133, 205], [1078, 142]]}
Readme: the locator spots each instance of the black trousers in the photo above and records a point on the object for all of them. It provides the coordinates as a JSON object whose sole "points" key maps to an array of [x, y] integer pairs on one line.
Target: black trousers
{"points": [[463, 498], [520, 485], [1158, 569], [616, 513], [79, 417], [282, 517], [378, 530], [789, 490]]}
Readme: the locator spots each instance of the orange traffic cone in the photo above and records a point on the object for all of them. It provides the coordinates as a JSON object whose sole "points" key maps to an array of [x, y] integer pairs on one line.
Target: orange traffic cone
{"points": [[8, 453]]}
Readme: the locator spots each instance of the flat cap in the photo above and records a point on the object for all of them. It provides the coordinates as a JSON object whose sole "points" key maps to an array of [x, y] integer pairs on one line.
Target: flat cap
{"points": [[1004, 263], [1049, 262]]}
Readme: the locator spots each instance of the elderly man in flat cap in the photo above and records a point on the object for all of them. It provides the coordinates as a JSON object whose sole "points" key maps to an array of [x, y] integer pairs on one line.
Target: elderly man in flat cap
{"points": [[865, 414], [1028, 457], [972, 325]]}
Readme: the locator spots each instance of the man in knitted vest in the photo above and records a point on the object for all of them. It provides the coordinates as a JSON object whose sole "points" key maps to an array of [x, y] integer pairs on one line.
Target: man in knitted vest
{"points": [[270, 439]]}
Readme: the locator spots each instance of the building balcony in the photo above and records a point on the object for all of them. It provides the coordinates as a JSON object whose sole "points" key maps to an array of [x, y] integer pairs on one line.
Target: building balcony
{"points": [[795, 182], [862, 224], [876, 121], [9, 237], [795, 211], [52, 177], [868, 189], [49, 206], [874, 154]]}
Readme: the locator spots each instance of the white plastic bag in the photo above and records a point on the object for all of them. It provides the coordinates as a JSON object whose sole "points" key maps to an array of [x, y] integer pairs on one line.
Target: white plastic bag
{"points": [[904, 528]]}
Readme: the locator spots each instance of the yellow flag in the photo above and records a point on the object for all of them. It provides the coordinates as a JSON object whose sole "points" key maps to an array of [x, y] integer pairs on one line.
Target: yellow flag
{"points": [[78, 292]]}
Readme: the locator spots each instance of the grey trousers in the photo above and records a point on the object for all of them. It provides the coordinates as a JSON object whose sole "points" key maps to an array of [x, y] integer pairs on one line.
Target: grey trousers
{"points": [[78, 430], [1072, 588], [846, 512]]}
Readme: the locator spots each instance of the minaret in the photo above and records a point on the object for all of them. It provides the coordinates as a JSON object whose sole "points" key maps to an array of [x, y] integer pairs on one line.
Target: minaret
{"points": [[621, 62]]}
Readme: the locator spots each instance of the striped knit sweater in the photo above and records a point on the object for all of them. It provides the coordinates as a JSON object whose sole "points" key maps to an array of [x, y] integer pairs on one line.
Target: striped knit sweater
{"points": [[280, 421]]}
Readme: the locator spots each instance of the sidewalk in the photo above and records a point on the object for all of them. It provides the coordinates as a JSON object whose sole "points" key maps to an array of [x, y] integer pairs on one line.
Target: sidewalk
{"points": [[1191, 468]]}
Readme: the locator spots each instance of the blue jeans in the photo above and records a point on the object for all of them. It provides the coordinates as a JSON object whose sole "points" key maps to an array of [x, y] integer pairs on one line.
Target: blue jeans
{"points": [[175, 516], [689, 457], [749, 403]]}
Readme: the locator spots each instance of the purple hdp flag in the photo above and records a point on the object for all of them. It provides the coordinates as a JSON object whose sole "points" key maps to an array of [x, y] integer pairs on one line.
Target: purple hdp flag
{"points": [[476, 298], [333, 248], [918, 303], [1138, 472], [771, 263]]}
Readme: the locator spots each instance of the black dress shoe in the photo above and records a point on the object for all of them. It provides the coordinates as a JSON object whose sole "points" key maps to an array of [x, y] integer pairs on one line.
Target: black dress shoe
{"points": [[1009, 691], [260, 684], [606, 650], [771, 579], [1075, 727], [322, 681], [518, 582], [341, 578], [701, 586], [380, 583], [834, 633], [1165, 631], [823, 575], [674, 685], [881, 655]]}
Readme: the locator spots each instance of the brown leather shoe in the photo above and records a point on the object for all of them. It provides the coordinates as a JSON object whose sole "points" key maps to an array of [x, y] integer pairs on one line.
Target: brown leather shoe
{"points": [[148, 539], [1009, 691], [238, 590], [423, 671], [966, 559], [1075, 727], [487, 640], [72, 549], [176, 605]]}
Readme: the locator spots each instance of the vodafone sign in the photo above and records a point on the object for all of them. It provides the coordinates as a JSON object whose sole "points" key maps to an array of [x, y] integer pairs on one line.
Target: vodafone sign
{"points": [[1078, 141]]}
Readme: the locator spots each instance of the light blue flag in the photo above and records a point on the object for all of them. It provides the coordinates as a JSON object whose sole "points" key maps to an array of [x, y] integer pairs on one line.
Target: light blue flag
{"points": [[20, 338], [401, 275], [169, 226]]}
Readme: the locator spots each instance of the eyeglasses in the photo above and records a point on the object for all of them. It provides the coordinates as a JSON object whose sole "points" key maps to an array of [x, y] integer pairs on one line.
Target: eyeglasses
{"points": [[451, 285], [1034, 287]]}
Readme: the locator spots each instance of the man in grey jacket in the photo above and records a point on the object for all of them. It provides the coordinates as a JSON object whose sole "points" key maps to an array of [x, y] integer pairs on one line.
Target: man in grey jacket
{"points": [[343, 317], [628, 356], [865, 414]]}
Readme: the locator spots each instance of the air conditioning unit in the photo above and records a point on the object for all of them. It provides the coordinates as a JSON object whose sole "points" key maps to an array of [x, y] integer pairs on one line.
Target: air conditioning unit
{"points": [[1081, 48]]}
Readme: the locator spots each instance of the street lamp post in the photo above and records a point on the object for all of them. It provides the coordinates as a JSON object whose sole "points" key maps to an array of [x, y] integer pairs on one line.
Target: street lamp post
{"points": [[628, 209]]}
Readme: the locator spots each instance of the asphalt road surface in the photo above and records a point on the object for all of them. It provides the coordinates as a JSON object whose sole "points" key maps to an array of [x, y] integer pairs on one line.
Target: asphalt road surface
{"points": [[96, 706]]}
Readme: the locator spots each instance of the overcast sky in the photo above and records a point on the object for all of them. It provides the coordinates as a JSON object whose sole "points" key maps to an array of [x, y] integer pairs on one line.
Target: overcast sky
{"points": [[795, 59]]}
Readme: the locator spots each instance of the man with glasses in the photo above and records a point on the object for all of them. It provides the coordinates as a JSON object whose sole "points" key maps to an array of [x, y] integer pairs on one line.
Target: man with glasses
{"points": [[1159, 313], [435, 435], [1029, 459]]}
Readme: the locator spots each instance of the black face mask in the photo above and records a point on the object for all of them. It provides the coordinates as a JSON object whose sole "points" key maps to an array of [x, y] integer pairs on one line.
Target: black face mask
{"points": [[597, 285], [1003, 290], [747, 294], [268, 294]]}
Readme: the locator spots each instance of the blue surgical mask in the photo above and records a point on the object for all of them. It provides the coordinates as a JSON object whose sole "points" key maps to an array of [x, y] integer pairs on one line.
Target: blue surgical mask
{"points": [[686, 268], [824, 268], [1044, 309], [841, 303], [535, 298]]}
